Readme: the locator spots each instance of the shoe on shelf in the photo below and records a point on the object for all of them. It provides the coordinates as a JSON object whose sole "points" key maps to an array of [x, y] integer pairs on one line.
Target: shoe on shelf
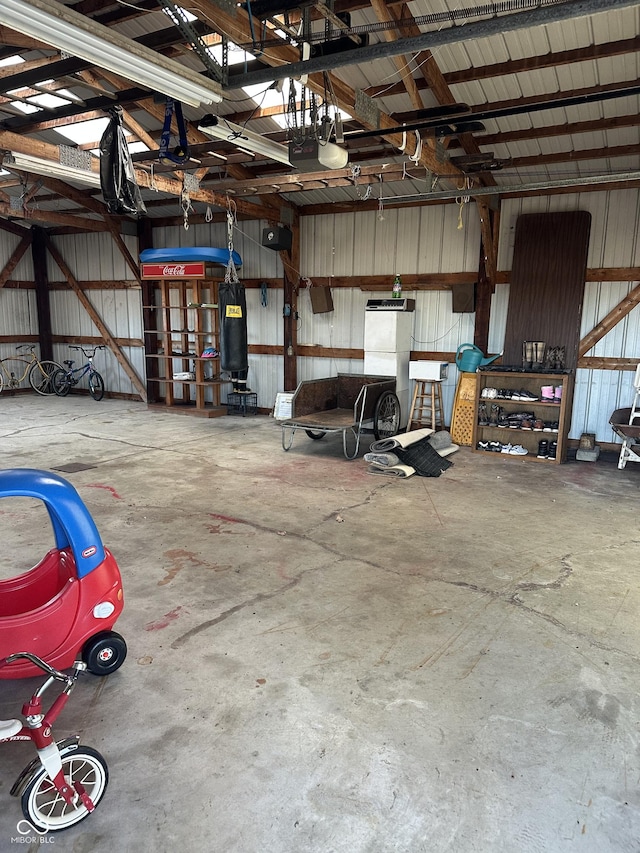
{"points": [[483, 417], [503, 421], [553, 450], [543, 450], [489, 393], [557, 394], [538, 425], [527, 396], [495, 446], [482, 445], [506, 448], [496, 412], [527, 423], [547, 393], [518, 450]]}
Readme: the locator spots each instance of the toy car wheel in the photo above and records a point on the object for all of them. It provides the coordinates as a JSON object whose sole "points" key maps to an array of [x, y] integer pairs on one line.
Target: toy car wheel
{"points": [[104, 653]]}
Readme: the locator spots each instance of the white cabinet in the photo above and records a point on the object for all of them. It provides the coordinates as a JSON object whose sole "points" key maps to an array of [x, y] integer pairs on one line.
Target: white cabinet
{"points": [[387, 350]]}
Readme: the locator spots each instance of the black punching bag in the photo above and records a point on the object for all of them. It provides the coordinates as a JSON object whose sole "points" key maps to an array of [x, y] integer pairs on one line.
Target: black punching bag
{"points": [[233, 327]]}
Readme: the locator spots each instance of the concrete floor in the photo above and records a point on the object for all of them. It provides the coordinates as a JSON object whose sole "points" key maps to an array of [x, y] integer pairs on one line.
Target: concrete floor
{"points": [[324, 661]]}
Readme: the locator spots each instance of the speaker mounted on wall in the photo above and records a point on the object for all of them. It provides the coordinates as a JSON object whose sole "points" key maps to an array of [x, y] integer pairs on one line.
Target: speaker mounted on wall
{"points": [[279, 239], [464, 297]]}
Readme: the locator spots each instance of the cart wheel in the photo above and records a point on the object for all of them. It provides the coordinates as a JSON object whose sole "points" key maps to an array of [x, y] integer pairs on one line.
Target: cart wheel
{"points": [[386, 418], [104, 653], [316, 435], [42, 803]]}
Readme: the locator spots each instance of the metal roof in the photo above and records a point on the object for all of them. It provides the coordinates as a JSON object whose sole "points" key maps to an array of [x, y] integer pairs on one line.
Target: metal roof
{"points": [[516, 72]]}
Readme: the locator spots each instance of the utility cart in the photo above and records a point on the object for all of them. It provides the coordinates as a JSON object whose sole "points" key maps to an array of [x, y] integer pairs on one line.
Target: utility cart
{"points": [[346, 403]]}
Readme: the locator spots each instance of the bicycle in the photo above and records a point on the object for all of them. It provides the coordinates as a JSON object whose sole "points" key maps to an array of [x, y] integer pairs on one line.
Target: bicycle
{"points": [[65, 783], [39, 373], [65, 379]]}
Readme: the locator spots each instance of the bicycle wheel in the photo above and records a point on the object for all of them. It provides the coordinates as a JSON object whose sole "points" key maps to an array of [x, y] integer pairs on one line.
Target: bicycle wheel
{"points": [[386, 419], [1, 381], [61, 383], [42, 803], [96, 385], [41, 377]]}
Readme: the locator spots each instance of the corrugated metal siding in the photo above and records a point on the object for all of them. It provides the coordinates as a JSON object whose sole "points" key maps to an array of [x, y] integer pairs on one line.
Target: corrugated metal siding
{"points": [[18, 313], [407, 240], [95, 257]]}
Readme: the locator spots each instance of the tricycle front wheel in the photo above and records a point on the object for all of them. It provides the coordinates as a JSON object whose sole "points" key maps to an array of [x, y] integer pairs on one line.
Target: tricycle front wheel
{"points": [[386, 418], [104, 653], [315, 434], [42, 803]]}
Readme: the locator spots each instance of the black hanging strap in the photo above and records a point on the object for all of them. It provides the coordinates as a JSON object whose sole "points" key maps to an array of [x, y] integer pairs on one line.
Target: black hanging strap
{"points": [[180, 153]]}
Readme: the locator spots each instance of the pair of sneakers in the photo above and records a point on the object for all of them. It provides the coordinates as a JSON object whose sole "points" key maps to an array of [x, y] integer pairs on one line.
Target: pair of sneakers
{"points": [[547, 449], [514, 450], [491, 446]]}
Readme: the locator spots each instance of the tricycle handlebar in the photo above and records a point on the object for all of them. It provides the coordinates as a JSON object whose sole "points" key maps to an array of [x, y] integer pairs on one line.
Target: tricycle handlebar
{"points": [[43, 665]]}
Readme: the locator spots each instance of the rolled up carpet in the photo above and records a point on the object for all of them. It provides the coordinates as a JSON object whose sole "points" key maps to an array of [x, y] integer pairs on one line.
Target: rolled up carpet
{"points": [[383, 459], [401, 472], [404, 439]]}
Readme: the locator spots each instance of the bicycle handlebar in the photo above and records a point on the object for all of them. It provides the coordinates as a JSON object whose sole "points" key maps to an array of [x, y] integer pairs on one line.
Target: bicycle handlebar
{"points": [[26, 346], [84, 351]]}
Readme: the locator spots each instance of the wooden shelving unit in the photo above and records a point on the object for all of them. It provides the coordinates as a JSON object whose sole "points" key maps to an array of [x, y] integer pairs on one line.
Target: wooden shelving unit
{"points": [[186, 322], [547, 412]]}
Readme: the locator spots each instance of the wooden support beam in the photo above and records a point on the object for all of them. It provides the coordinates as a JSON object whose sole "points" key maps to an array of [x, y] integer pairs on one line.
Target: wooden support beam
{"points": [[100, 325], [291, 264], [41, 280], [612, 319], [15, 258], [24, 145], [78, 223], [608, 363]]}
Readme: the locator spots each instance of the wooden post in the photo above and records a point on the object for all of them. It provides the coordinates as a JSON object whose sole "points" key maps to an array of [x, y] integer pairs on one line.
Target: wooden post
{"points": [[149, 316], [39, 256]]}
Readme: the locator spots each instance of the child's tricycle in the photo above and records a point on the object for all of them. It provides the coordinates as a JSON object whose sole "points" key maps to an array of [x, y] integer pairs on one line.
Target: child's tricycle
{"points": [[65, 607]]}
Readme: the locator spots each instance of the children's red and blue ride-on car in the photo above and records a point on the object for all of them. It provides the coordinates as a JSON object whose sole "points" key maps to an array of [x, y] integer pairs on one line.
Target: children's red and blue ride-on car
{"points": [[65, 607]]}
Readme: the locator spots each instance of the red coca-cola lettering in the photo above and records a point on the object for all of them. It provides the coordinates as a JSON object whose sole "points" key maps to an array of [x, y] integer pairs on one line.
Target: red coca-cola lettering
{"points": [[194, 269]]}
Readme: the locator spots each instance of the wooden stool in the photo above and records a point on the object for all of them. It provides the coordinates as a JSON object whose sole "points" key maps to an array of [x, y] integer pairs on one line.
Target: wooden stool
{"points": [[426, 406]]}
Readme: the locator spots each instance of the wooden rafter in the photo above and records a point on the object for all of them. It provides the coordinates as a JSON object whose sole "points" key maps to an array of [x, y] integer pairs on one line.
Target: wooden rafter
{"points": [[235, 24]]}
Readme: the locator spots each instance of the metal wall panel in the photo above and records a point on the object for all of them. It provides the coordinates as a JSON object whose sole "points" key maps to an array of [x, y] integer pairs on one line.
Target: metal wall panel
{"points": [[95, 257], [404, 240], [92, 256]]}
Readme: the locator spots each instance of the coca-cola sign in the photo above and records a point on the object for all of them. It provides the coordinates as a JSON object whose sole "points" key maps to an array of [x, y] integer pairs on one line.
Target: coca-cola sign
{"points": [[174, 269]]}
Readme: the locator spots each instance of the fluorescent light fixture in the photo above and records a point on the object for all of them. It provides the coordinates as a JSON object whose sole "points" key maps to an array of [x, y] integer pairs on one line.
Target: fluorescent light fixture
{"points": [[49, 169], [50, 22], [219, 128]]}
